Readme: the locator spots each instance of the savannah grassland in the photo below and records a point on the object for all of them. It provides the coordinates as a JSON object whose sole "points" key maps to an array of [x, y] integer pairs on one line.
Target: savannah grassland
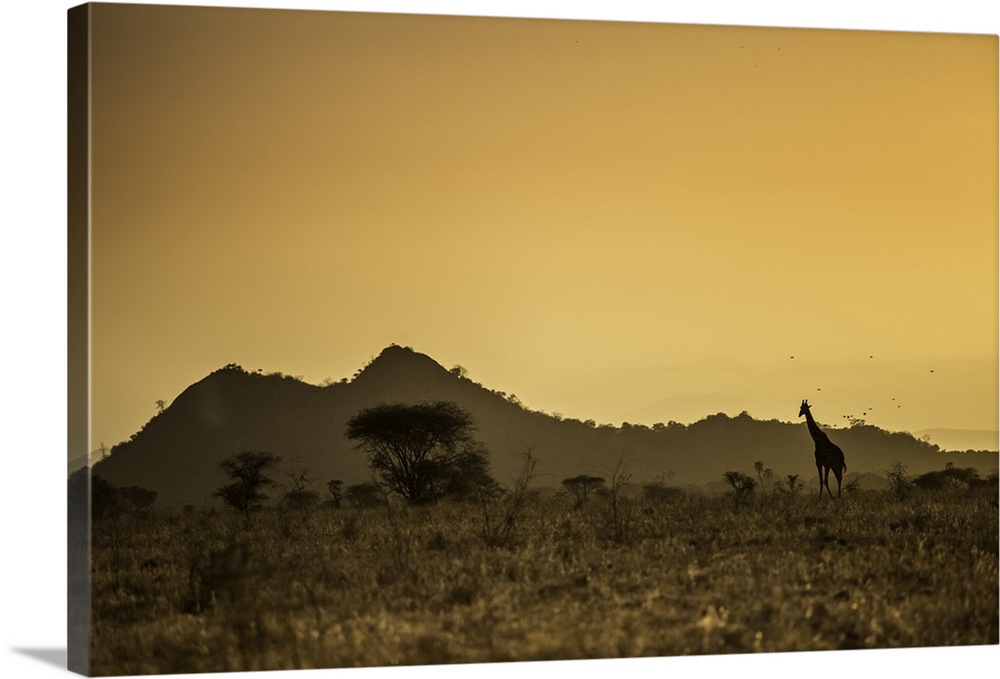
{"points": [[620, 576]]}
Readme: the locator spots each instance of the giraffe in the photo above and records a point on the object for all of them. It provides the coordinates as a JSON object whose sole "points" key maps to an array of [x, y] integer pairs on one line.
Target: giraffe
{"points": [[828, 455]]}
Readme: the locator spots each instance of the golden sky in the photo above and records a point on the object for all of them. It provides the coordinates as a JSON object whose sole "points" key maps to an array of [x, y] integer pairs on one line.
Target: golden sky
{"points": [[614, 221]]}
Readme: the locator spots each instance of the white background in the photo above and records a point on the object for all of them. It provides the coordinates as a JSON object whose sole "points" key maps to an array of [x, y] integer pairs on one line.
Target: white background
{"points": [[33, 326]]}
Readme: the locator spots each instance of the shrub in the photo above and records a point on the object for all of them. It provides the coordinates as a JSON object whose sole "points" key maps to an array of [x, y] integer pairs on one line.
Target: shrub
{"points": [[743, 486]]}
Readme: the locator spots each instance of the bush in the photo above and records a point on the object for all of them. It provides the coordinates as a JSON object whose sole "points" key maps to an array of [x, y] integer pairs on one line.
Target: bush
{"points": [[743, 486]]}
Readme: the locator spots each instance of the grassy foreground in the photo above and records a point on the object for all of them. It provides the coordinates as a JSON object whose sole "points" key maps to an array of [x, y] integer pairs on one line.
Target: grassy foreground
{"points": [[679, 575]]}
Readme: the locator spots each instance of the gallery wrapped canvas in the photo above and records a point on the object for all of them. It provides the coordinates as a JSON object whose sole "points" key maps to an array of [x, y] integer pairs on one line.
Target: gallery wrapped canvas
{"points": [[422, 339]]}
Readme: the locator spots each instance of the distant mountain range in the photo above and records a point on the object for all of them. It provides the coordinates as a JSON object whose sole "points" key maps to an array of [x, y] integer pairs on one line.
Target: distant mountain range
{"points": [[177, 453]]}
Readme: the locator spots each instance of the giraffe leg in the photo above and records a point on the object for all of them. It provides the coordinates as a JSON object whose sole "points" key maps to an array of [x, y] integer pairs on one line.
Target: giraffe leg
{"points": [[826, 481], [819, 468], [839, 473]]}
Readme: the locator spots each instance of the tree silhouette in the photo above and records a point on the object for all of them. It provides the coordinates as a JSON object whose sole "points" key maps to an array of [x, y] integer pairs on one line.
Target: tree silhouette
{"points": [[742, 484], [764, 475], [951, 477], [248, 471], [297, 497], [896, 480], [581, 486], [107, 501], [421, 452]]}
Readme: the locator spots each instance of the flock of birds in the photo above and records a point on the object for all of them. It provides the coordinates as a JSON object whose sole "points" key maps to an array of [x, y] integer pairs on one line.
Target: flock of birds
{"points": [[865, 413]]}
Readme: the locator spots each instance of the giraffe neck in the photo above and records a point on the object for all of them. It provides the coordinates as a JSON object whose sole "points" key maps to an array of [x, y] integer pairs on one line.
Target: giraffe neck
{"points": [[814, 429]]}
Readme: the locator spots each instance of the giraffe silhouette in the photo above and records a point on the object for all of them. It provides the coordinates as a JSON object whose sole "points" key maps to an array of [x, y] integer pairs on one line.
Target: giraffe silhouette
{"points": [[828, 456]]}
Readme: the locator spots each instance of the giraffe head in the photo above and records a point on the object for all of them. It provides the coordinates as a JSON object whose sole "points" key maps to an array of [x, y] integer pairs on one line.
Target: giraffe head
{"points": [[804, 410]]}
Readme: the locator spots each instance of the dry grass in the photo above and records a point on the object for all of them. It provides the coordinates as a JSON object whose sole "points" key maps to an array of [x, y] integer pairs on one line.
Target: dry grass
{"points": [[684, 575]]}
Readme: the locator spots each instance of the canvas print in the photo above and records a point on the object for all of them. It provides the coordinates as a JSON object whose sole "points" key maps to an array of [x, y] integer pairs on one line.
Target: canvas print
{"points": [[414, 340]]}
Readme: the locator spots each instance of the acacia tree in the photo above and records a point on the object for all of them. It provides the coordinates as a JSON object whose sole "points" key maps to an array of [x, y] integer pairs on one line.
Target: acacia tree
{"points": [[582, 486], [421, 452], [248, 471]]}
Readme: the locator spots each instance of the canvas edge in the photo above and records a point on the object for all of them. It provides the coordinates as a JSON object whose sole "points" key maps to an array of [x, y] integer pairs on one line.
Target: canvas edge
{"points": [[78, 335]]}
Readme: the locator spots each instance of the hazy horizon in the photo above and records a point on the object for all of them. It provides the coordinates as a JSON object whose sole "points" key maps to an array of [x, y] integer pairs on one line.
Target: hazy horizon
{"points": [[615, 221]]}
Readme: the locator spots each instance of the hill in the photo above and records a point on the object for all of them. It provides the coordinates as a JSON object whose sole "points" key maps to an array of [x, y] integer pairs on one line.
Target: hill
{"points": [[177, 453], [78, 463], [961, 439]]}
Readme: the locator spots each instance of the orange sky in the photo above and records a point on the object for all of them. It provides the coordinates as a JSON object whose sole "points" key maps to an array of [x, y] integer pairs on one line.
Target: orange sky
{"points": [[616, 221]]}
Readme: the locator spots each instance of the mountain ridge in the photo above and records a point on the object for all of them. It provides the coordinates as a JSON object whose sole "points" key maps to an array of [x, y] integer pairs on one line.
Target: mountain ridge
{"points": [[961, 439], [177, 453]]}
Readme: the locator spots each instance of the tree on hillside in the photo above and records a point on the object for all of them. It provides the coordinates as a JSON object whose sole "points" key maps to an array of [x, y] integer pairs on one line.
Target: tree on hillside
{"points": [[421, 452], [248, 470], [580, 487]]}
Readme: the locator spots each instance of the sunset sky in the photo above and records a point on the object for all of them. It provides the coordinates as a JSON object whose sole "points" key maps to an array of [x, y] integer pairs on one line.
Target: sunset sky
{"points": [[614, 221]]}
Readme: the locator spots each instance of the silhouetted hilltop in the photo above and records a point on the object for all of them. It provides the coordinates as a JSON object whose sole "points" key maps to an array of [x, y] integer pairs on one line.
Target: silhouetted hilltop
{"points": [[402, 367], [961, 439], [177, 453]]}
